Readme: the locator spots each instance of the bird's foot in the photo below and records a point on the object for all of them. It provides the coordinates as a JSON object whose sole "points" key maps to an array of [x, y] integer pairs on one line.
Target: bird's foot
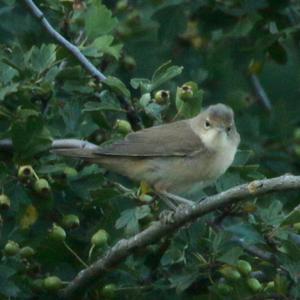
{"points": [[167, 216], [177, 199]]}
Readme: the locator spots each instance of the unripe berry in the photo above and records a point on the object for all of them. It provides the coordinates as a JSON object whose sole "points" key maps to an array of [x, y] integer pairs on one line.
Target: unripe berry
{"points": [[254, 284], [244, 267], [52, 283], [11, 248], [186, 92], [100, 238], [25, 173], [57, 233], [162, 97], [123, 126], [70, 172], [109, 290], [42, 187], [4, 202], [70, 221], [230, 273], [26, 252], [224, 289]]}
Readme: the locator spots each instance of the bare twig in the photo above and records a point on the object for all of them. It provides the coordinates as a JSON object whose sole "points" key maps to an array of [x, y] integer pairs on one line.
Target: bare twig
{"points": [[181, 217], [260, 92], [7, 144], [64, 42], [88, 66]]}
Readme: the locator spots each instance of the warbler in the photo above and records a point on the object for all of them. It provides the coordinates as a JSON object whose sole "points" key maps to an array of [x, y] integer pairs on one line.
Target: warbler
{"points": [[172, 157]]}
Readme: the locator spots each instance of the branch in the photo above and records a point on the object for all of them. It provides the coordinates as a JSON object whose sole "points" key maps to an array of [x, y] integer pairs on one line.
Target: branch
{"points": [[181, 217], [64, 42], [260, 92], [7, 144], [87, 65]]}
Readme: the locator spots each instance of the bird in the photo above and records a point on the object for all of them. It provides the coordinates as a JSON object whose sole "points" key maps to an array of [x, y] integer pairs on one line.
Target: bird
{"points": [[172, 157]]}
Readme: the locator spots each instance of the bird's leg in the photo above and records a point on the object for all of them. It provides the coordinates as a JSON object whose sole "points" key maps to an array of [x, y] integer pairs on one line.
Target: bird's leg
{"points": [[168, 202], [174, 202], [177, 199]]}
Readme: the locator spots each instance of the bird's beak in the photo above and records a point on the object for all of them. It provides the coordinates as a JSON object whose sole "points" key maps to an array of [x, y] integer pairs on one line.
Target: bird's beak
{"points": [[221, 128]]}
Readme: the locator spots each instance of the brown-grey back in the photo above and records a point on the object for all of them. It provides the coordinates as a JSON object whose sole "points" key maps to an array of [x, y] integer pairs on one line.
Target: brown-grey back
{"points": [[174, 139]]}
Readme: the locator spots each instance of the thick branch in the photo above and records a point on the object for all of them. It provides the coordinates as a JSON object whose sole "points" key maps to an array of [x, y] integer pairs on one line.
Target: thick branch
{"points": [[64, 42], [181, 217]]}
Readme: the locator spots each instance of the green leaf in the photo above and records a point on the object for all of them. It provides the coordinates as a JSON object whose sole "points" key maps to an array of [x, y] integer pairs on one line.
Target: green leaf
{"points": [[244, 26], [117, 86], [87, 181], [182, 281], [163, 74], [98, 20], [142, 83], [231, 256], [7, 73], [130, 219], [246, 232], [292, 217], [272, 215], [103, 45], [7, 90], [40, 59], [30, 136]]}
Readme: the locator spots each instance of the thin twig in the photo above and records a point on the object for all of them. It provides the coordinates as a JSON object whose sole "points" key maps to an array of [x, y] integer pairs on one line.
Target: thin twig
{"points": [[260, 92], [64, 42]]}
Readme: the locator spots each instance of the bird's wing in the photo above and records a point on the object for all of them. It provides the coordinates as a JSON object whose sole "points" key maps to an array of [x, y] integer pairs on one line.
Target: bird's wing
{"points": [[174, 139]]}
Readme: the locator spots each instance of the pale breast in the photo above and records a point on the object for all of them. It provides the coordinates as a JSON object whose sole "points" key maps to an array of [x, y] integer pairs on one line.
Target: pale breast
{"points": [[223, 158]]}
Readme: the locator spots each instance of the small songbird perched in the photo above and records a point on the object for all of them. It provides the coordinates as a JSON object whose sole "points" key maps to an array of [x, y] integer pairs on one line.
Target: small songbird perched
{"points": [[172, 157]]}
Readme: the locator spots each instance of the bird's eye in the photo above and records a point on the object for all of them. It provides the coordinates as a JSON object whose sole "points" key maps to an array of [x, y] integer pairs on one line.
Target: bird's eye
{"points": [[207, 124], [228, 129]]}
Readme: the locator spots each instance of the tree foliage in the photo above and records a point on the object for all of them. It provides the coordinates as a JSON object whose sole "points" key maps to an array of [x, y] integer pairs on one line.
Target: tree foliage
{"points": [[164, 60]]}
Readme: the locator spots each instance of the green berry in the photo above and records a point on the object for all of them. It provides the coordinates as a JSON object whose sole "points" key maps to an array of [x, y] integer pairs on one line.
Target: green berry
{"points": [[26, 252], [123, 126], [4, 202], [224, 289], [122, 5], [37, 285], [230, 273], [70, 221], [100, 238], [70, 172], [186, 92], [52, 283], [296, 226], [109, 290], [57, 233], [128, 62], [244, 267], [297, 134], [11, 248], [270, 286], [42, 187], [254, 284], [25, 173], [162, 97]]}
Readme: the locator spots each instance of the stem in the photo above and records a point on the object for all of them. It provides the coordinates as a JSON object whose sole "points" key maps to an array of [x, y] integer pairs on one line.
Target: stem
{"points": [[75, 255]]}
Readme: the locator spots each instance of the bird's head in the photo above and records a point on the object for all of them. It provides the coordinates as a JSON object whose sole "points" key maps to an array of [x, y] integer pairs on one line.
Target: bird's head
{"points": [[216, 126]]}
